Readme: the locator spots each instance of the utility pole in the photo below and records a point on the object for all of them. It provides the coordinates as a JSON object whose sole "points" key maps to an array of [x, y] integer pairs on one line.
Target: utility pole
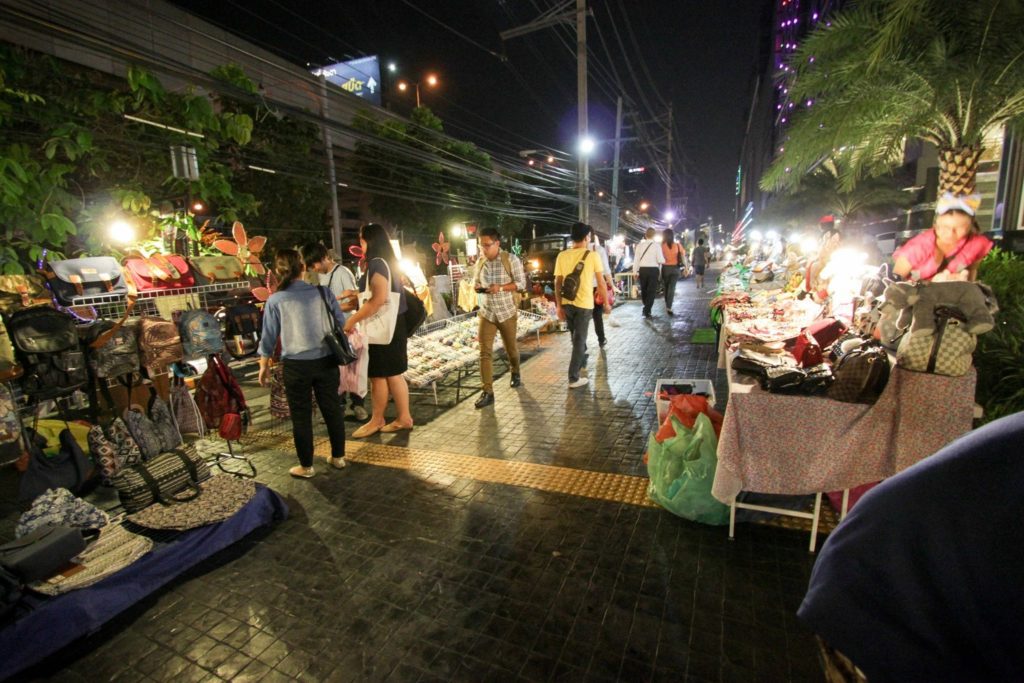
{"points": [[668, 163], [581, 96], [332, 178], [563, 14], [614, 218]]}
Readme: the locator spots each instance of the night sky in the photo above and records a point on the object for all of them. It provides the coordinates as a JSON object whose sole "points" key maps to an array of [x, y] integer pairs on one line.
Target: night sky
{"points": [[701, 55]]}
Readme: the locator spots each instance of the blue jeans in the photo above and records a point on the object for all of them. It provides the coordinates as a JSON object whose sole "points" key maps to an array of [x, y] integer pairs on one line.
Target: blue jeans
{"points": [[578, 322]]}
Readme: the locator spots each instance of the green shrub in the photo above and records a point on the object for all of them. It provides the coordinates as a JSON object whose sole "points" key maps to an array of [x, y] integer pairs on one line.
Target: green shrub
{"points": [[1000, 354]]}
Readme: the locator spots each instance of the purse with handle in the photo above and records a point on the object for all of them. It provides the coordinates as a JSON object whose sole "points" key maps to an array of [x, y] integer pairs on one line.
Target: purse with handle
{"points": [[166, 479], [861, 375]]}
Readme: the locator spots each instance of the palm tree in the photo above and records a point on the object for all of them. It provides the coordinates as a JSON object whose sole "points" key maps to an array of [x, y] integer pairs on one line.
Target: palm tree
{"points": [[886, 72], [820, 192]]}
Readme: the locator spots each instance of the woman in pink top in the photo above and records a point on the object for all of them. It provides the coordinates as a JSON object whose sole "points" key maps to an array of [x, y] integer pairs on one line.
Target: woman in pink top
{"points": [[675, 258], [951, 250]]}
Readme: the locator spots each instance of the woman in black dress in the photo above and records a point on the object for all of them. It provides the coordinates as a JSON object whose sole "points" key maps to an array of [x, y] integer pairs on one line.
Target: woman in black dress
{"points": [[388, 362]]}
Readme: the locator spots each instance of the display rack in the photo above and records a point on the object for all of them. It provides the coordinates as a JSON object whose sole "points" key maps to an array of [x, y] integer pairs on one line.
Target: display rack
{"points": [[113, 306], [450, 347]]}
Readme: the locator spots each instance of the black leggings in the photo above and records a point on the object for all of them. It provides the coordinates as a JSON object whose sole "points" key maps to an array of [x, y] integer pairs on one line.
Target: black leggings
{"points": [[319, 377]]}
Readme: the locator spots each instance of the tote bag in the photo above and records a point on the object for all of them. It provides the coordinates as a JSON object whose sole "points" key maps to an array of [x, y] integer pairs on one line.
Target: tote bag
{"points": [[380, 327]]}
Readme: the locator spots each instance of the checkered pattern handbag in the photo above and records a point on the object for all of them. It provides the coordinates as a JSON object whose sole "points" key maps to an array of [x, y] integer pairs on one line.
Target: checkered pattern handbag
{"points": [[945, 352]]}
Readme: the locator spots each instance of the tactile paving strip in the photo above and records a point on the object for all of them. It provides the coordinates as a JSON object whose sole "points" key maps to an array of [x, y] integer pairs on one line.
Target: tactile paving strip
{"points": [[618, 488]]}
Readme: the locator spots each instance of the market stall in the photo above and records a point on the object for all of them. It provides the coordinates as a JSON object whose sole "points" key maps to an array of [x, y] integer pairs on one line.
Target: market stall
{"points": [[450, 348], [816, 402]]}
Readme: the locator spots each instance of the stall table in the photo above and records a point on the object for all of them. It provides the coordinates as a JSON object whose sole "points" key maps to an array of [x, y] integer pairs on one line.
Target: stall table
{"points": [[792, 444]]}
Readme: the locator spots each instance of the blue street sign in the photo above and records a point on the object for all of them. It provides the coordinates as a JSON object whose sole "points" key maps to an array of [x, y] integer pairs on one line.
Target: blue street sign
{"points": [[361, 77]]}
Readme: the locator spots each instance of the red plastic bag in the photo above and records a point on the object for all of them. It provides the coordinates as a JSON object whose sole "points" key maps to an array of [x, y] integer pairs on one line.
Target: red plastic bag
{"points": [[686, 407]]}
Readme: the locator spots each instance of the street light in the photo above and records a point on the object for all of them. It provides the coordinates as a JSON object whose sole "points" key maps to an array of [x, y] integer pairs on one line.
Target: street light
{"points": [[644, 206], [587, 145], [431, 81]]}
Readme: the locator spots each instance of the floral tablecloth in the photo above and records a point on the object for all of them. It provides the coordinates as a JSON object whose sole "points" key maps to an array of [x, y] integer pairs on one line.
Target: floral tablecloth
{"points": [[773, 443]]}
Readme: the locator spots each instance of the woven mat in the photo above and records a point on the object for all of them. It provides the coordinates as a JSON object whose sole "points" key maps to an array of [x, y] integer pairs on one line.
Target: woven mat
{"points": [[115, 549]]}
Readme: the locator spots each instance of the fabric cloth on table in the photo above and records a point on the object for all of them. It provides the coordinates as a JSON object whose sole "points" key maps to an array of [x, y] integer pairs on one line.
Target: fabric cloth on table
{"points": [[923, 581], [43, 625], [115, 549], [466, 300], [774, 443], [222, 496]]}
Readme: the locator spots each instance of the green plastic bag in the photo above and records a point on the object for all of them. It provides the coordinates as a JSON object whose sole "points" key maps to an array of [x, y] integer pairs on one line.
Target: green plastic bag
{"points": [[682, 470]]}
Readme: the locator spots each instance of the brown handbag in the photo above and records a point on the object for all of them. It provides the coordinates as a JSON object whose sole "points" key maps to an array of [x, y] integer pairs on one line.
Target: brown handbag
{"points": [[860, 375], [159, 343], [210, 269]]}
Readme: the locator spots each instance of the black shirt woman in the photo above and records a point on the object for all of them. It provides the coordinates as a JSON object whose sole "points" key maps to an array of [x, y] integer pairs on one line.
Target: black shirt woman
{"points": [[388, 362]]}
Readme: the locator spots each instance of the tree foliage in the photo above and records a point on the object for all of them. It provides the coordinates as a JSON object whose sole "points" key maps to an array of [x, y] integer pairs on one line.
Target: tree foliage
{"points": [[887, 71], [422, 180], [73, 161]]}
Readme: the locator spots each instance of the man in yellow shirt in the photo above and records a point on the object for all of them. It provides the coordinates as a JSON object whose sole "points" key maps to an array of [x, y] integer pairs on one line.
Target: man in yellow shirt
{"points": [[575, 270]]}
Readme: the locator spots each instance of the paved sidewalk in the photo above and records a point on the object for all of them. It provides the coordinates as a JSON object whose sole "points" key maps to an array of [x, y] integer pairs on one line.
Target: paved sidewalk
{"points": [[447, 553]]}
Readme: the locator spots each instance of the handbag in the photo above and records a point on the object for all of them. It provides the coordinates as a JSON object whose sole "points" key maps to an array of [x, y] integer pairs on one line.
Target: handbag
{"points": [[184, 409], [415, 312], [41, 553], [335, 337], [947, 351], [380, 327], [68, 469], [159, 272], [861, 375], [826, 331], [168, 478], [807, 351], [90, 276], [208, 270]]}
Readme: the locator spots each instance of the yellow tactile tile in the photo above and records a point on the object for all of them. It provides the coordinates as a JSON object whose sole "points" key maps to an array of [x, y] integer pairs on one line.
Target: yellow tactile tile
{"points": [[619, 488]]}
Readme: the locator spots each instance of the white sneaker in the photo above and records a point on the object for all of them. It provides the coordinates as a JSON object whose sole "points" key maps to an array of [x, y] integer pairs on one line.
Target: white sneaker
{"points": [[338, 463], [581, 382], [360, 413]]}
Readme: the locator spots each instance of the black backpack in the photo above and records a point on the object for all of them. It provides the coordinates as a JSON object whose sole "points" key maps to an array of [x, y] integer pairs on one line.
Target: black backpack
{"points": [[113, 350], [46, 345]]}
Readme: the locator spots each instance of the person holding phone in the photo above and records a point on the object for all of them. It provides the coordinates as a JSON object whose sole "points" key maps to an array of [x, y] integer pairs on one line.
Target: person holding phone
{"points": [[498, 276]]}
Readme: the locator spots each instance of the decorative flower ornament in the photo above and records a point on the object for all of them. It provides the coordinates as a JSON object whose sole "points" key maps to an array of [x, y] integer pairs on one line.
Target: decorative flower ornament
{"points": [[246, 248], [442, 249], [263, 292]]}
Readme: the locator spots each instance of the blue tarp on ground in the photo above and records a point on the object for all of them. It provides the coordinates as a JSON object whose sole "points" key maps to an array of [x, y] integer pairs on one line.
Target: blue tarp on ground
{"points": [[53, 623]]}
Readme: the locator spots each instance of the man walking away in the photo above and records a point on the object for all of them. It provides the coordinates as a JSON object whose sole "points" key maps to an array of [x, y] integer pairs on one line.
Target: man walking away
{"points": [[341, 282], [647, 266], [498, 277], [575, 269], [701, 257], [602, 253]]}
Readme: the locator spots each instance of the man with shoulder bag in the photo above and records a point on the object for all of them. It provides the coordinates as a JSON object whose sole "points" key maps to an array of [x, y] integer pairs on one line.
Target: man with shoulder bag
{"points": [[499, 278], [575, 269]]}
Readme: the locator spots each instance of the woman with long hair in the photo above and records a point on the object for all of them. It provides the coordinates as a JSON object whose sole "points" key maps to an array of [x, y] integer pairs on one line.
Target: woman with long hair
{"points": [[296, 314], [675, 258], [388, 362]]}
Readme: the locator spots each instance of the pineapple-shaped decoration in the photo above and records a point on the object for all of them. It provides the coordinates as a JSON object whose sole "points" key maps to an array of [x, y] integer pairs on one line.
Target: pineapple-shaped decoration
{"points": [[958, 169]]}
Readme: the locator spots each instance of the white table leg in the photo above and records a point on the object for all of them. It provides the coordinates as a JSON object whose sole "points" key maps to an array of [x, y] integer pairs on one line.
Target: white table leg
{"points": [[732, 519], [846, 503], [814, 521]]}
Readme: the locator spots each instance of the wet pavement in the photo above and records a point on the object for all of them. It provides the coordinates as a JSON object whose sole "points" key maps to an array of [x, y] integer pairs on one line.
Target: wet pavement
{"points": [[419, 563]]}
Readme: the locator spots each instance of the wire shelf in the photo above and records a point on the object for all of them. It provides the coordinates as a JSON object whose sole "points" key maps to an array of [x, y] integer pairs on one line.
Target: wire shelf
{"points": [[161, 302]]}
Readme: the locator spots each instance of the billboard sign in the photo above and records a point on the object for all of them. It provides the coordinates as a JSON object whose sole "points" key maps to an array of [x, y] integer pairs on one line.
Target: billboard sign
{"points": [[361, 77]]}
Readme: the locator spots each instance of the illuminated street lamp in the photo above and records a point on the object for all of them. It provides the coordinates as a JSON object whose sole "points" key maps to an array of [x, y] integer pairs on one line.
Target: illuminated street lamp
{"points": [[644, 206], [587, 145], [431, 81]]}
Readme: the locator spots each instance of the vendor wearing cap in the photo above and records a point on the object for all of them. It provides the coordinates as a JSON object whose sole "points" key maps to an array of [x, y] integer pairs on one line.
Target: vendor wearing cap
{"points": [[951, 250]]}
